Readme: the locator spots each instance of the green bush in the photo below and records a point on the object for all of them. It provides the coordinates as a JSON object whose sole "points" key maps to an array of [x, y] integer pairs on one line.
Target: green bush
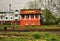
{"points": [[36, 35], [52, 39]]}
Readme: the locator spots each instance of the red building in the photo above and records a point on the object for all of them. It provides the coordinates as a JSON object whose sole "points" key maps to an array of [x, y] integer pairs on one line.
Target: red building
{"points": [[30, 17]]}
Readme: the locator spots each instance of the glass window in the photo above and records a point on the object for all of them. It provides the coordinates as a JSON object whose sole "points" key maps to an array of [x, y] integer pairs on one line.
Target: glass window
{"points": [[16, 19], [1, 17], [6, 17], [32, 16], [36, 16], [11, 17], [27, 16], [22, 16], [16, 15]]}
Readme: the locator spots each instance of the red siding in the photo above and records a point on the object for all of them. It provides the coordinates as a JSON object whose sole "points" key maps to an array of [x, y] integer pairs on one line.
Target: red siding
{"points": [[30, 11], [30, 22]]}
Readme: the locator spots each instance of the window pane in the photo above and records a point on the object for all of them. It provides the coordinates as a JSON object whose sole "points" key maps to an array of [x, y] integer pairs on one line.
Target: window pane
{"points": [[6, 17], [22, 16], [27, 16], [11, 17], [16, 19], [32, 16], [16, 15], [36, 16]]}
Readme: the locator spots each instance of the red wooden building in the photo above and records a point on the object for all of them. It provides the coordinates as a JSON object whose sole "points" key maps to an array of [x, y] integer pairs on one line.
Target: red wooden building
{"points": [[30, 17]]}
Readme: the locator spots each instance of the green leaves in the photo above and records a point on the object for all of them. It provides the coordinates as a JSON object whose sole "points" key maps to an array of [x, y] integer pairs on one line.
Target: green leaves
{"points": [[36, 35], [50, 19]]}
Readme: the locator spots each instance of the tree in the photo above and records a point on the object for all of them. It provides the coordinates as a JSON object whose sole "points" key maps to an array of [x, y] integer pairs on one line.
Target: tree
{"points": [[50, 19], [52, 5], [33, 4], [51, 8]]}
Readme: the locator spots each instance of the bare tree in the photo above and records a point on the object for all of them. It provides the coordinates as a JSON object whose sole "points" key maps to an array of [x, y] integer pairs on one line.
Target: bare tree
{"points": [[52, 5], [33, 4]]}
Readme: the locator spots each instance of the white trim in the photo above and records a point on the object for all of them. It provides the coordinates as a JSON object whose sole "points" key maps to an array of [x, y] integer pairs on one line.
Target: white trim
{"points": [[32, 24], [24, 16], [26, 24], [39, 16], [34, 16], [29, 17], [20, 17]]}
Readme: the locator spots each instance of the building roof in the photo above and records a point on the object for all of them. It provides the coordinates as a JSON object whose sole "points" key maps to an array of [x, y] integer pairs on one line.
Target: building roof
{"points": [[6, 12], [30, 11]]}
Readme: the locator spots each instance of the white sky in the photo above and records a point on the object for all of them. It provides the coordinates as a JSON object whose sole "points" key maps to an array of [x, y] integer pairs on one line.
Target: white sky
{"points": [[16, 4]]}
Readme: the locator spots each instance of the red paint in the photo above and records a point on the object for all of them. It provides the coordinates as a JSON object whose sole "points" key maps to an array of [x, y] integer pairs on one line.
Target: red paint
{"points": [[30, 22], [36, 21], [30, 11]]}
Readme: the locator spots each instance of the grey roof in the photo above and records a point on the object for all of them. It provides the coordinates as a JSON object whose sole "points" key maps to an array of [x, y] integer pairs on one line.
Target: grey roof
{"points": [[6, 12]]}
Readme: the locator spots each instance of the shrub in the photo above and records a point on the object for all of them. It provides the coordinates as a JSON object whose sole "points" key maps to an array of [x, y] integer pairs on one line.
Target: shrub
{"points": [[36, 35]]}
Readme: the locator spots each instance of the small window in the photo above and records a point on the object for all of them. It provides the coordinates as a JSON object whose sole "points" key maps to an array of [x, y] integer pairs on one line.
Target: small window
{"points": [[16, 19], [6, 17], [11, 17], [32, 16], [22, 16], [16, 15], [1, 17], [36, 16], [27, 16]]}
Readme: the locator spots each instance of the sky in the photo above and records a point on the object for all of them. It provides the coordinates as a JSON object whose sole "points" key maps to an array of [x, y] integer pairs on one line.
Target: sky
{"points": [[15, 4]]}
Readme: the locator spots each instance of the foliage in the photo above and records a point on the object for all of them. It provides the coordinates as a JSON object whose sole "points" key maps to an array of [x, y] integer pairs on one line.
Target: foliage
{"points": [[51, 37], [50, 19], [26, 36], [36, 35], [33, 4], [51, 10]]}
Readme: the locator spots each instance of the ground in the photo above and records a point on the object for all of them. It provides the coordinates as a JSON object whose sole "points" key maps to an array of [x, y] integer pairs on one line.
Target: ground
{"points": [[28, 36], [31, 36]]}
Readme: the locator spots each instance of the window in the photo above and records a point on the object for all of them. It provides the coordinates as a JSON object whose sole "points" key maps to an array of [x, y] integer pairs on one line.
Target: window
{"points": [[1, 17], [22, 16], [36, 16], [32, 16], [11, 17], [6, 17], [16, 15], [16, 19], [27, 16]]}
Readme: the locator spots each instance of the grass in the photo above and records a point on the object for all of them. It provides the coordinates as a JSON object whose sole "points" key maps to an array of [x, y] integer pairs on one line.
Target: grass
{"points": [[30, 27], [13, 39], [43, 36], [43, 26]]}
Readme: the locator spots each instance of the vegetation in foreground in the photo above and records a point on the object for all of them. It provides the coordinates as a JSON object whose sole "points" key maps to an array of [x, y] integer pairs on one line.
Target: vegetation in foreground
{"points": [[26, 27], [29, 36]]}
